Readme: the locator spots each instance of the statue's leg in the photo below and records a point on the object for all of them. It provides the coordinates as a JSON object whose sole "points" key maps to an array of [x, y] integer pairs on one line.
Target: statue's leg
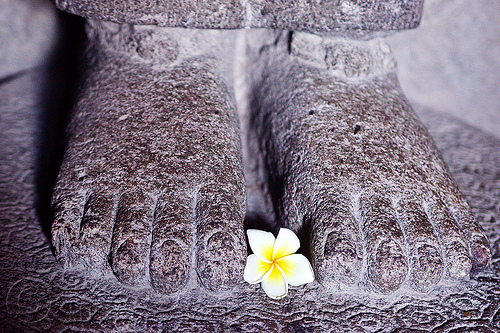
{"points": [[352, 165], [151, 187]]}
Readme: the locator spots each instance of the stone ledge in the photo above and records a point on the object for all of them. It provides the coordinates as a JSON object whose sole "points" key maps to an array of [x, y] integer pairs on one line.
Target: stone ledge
{"points": [[300, 15]]}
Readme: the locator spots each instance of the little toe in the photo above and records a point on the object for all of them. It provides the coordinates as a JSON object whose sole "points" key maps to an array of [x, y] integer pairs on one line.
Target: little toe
{"points": [[221, 247], [456, 257], [131, 239], [336, 257], [478, 242], [68, 211], [171, 242], [387, 263], [480, 252], [426, 265], [95, 232]]}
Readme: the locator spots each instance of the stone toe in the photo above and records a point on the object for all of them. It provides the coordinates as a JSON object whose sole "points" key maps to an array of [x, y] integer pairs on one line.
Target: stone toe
{"points": [[480, 251], [130, 245], [171, 242], [335, 244], [459, 264], [341, 253], [386, 260], [426, 265], [96, 230], [456, 254], [221, 248], [387, 266], [169, 266], [68, 209]]}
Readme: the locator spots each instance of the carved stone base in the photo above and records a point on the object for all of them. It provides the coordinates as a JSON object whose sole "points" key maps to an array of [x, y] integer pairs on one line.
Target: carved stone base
{"points": [[37, 295]]}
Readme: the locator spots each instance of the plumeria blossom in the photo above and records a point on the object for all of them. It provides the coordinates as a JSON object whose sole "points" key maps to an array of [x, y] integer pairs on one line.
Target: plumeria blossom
{"points": [[274, 263]]}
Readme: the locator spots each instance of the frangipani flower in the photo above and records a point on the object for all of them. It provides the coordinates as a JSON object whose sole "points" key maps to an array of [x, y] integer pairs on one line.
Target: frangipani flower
{"points": [[274, 264]]}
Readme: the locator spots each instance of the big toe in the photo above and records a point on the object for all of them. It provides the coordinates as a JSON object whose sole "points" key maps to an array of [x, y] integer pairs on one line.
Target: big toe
{"points": [[68, 211], [221, 248], [96, 231], [82, 229], [335, 246]]}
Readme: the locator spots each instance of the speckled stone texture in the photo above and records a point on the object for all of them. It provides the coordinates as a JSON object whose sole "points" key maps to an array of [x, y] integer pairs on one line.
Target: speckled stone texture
{"points": [[351, 168], [37, 295], [302, 15], [151, 188]]}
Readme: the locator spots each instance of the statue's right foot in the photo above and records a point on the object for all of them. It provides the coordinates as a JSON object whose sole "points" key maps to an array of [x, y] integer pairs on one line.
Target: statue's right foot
{"points": [[151, 187], [352, 165]]}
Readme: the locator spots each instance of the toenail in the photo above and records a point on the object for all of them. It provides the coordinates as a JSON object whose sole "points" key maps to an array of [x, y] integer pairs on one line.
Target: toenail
{"points": [[481, 255], [168, 267], [389, 267], [220, 244]]}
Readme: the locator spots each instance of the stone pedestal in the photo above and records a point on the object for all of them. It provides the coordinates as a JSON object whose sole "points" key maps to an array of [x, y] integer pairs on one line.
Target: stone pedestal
{"points": [[37, 295]]}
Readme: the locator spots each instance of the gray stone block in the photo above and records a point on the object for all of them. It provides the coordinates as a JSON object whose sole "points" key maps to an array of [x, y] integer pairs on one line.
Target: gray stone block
{"points": [[319, 17]]}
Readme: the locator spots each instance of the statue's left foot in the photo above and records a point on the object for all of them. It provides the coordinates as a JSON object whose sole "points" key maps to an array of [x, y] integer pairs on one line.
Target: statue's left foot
{"points": [[353, 164], [151, 187]]}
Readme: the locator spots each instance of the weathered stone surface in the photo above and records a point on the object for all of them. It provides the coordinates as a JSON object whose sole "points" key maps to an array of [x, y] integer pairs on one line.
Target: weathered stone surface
{"points": [[303, 15], [37, 295], [350, 166], [151, 187]]}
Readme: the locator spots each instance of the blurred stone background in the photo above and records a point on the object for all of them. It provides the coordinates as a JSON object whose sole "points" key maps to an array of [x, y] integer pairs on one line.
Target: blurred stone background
{"points": [[26, 43], [451, 62]]}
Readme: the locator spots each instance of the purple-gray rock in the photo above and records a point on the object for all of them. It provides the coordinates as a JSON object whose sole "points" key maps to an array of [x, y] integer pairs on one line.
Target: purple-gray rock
{"points": [[350, 166], [151, 187], [320, 17]]}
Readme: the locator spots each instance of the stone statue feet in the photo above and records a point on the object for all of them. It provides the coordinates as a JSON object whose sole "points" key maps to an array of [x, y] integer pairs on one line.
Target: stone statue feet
{"points": [[151, 188], [349, 163]]}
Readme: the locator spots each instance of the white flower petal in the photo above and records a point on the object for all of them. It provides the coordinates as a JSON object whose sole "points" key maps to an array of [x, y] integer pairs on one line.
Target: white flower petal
{"points": [[286, 243], [297, 269], [256, 269], [275, 284], [261, 243]]}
